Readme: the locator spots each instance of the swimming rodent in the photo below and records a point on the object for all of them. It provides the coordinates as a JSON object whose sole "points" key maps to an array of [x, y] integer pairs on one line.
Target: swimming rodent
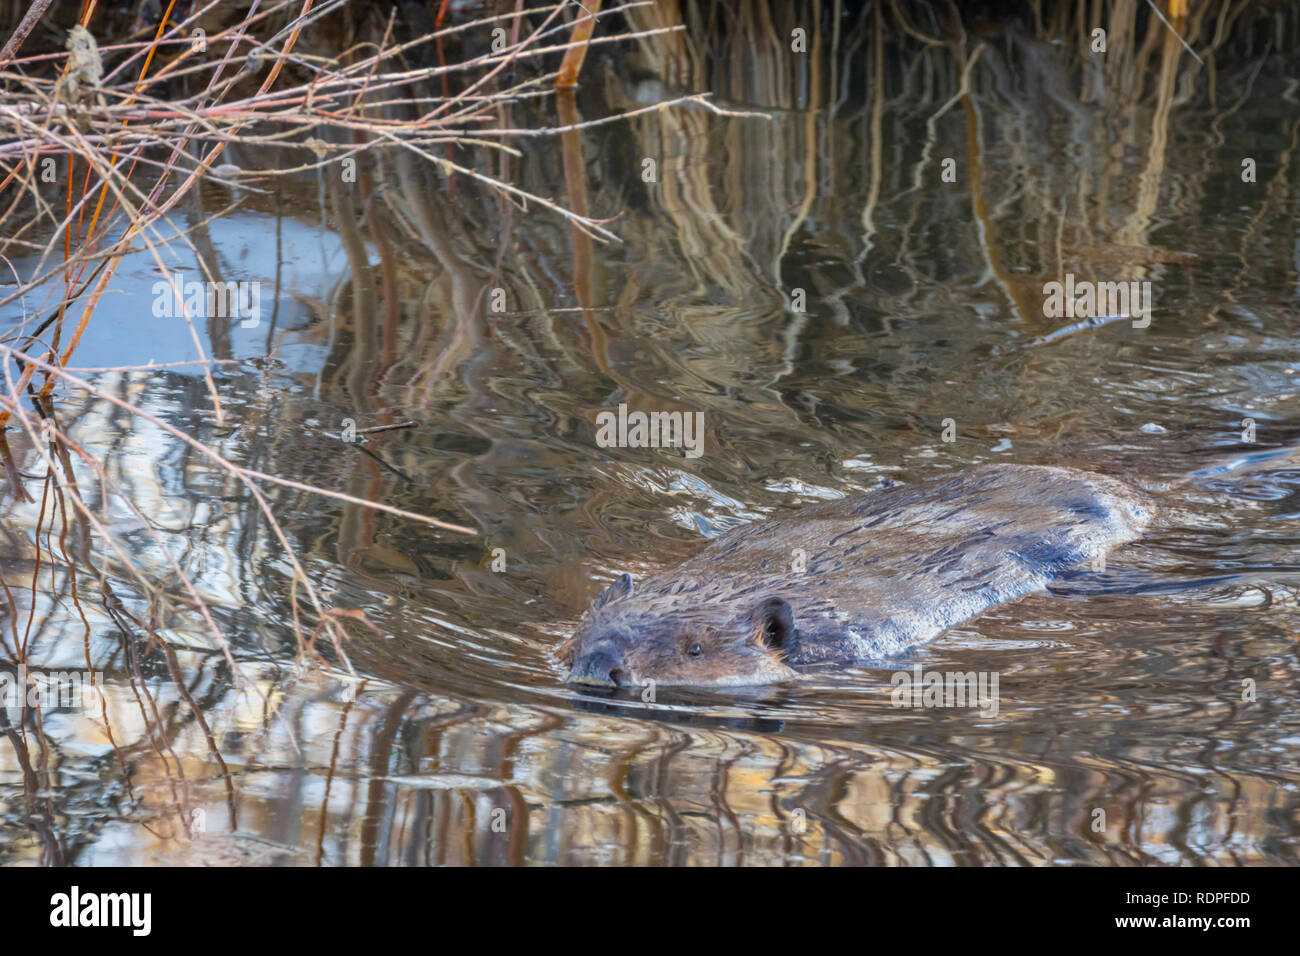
{"points": [[881, 572]]}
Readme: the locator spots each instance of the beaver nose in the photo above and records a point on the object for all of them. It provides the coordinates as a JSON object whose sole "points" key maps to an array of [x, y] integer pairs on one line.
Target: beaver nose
{"points": [[601, 667]]}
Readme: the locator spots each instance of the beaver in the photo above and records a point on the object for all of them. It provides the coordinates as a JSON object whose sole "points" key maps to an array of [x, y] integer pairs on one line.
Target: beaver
{"points": [[854, 579]]}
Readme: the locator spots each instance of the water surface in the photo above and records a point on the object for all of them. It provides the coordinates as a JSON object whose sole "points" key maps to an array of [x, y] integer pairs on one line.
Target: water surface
{"points": [[1135, 724]]}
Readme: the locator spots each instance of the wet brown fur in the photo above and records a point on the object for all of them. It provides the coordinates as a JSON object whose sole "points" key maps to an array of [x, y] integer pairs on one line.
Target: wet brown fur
{"points": [[883, 571]]}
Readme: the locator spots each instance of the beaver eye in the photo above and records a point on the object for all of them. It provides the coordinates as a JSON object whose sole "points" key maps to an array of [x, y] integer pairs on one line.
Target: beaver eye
{"points": [[695, 650]]}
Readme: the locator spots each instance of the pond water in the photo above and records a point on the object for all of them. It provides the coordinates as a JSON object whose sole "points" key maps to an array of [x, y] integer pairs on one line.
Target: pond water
{"points": [[849, 285]]}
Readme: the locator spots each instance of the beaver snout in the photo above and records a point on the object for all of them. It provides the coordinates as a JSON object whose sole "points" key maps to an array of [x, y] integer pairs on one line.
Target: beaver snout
{"points": [[602, 665]]}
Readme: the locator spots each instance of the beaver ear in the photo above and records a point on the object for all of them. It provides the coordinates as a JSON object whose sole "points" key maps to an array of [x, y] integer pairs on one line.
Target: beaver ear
{"points": [[776, 625], [620, 588]]}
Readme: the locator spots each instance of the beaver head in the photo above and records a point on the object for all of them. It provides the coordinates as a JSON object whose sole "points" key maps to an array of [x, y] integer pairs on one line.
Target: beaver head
{"points": [[680, 636]]}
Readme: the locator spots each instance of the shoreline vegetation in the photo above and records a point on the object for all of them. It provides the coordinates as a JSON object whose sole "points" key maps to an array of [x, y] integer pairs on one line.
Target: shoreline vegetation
{"points": [[129, 154]]}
